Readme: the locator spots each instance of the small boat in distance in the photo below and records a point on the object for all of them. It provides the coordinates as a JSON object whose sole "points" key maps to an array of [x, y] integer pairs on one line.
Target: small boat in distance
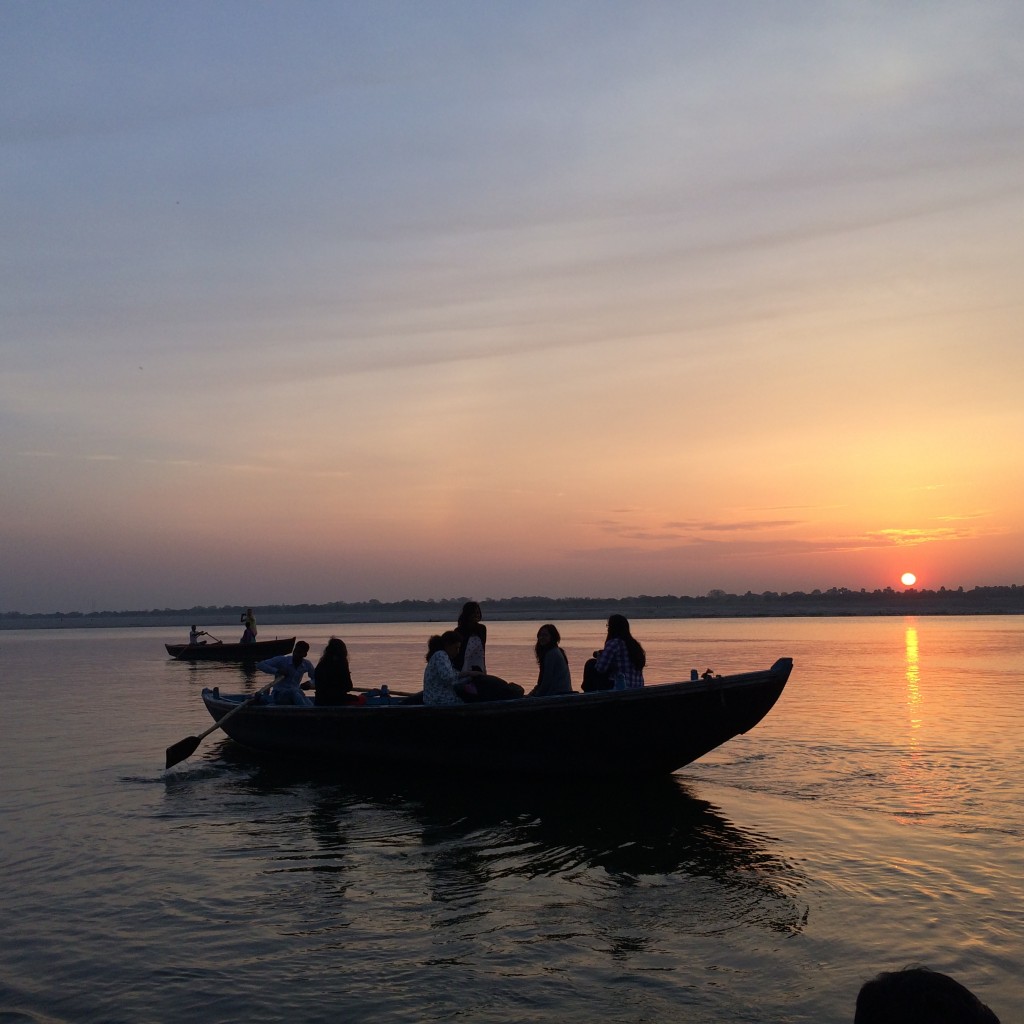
{"points": [[648, 731], [257, 650]]}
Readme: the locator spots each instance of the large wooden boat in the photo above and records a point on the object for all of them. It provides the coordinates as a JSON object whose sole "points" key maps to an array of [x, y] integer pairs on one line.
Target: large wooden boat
{"points": [[255, 651], [624, 733]]}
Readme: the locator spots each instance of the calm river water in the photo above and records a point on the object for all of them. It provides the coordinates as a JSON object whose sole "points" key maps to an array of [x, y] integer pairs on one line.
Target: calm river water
{"points": [[872, 821]]}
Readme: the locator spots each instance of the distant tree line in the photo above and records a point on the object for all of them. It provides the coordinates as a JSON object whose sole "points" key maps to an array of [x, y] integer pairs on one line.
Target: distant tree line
{"points": [[1006, 600]]}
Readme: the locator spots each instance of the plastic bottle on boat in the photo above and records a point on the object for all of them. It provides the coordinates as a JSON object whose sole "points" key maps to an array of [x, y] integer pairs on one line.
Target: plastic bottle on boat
{"points": [[694, 675], [385, 696], [620, 681]]}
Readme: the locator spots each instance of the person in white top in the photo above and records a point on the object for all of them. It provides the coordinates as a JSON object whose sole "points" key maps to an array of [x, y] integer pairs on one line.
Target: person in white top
{"points": [[288, 670], [441, 678]]}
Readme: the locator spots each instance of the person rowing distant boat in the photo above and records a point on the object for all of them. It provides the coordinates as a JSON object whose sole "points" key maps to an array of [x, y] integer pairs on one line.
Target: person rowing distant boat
{"points": [[194, 634]]}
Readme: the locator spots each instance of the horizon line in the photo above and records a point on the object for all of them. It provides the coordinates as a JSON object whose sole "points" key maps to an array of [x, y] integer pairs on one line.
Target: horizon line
{"points": [[713, 595]]}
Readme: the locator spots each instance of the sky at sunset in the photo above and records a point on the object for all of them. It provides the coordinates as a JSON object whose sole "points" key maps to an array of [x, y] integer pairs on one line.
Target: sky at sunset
{"points": [[319, 301]]}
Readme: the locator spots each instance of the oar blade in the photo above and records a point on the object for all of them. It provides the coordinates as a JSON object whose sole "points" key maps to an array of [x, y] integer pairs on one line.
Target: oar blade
{"points": [[182, 749]]}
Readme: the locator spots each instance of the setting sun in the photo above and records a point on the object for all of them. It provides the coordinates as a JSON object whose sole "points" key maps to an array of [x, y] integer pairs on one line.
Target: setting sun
{"points": [[908, 579]]}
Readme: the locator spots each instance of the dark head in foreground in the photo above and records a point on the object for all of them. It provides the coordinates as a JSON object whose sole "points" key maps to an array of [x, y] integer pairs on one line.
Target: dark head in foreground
{"points": [[919, 996]]}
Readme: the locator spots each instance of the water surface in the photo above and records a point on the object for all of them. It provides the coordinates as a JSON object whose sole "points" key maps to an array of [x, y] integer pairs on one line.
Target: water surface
{"points": [[871, 821]]}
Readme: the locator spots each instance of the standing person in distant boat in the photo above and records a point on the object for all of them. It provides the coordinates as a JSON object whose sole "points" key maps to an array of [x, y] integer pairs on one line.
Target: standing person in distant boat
{"points": [[249, 635], [333, 679], [288, 670], [622, 655], [194, 635], [553, 676], [441, 679]]}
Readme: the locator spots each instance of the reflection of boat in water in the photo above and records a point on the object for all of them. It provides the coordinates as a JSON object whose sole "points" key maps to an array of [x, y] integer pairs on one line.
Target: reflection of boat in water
{"points": [[653, 828], [612, 734], [469, 834]]}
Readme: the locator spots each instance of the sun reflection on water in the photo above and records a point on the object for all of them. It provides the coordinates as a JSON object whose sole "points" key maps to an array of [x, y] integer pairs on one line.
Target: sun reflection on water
{"points": [[913, 672], [914, 769]]}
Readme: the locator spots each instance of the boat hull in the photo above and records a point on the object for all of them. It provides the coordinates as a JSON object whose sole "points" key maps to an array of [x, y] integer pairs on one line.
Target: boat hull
{"points": [[255, 651], [649, 731]]}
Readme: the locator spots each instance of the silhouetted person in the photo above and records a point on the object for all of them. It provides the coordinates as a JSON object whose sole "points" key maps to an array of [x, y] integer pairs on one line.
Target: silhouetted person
{"points": [[472, 655], [442, 681], [553, 676], [473, 634], [249, 633], [918, 995], [622, 655], [333, 679]]}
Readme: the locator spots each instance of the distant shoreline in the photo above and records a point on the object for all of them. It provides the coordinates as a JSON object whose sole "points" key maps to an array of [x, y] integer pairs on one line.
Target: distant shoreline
{"points": [[716, 605]]}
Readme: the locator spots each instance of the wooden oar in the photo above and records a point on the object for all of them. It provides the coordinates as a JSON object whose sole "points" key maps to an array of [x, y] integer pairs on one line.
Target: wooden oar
{"points": [[186, 747]]}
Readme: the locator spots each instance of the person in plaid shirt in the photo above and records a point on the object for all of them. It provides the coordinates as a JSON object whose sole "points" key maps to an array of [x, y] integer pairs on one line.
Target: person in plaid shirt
{"points": [[622, 654]]}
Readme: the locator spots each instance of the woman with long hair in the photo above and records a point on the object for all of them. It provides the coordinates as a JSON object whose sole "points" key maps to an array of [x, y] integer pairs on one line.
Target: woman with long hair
{"points": [[333, 676], [441, 679], [622, 655], [553, 676]]}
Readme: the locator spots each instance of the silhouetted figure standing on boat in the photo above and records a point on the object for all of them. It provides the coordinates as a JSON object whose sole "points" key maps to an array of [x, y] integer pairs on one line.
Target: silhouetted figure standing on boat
{"points": [[249, 634]]}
